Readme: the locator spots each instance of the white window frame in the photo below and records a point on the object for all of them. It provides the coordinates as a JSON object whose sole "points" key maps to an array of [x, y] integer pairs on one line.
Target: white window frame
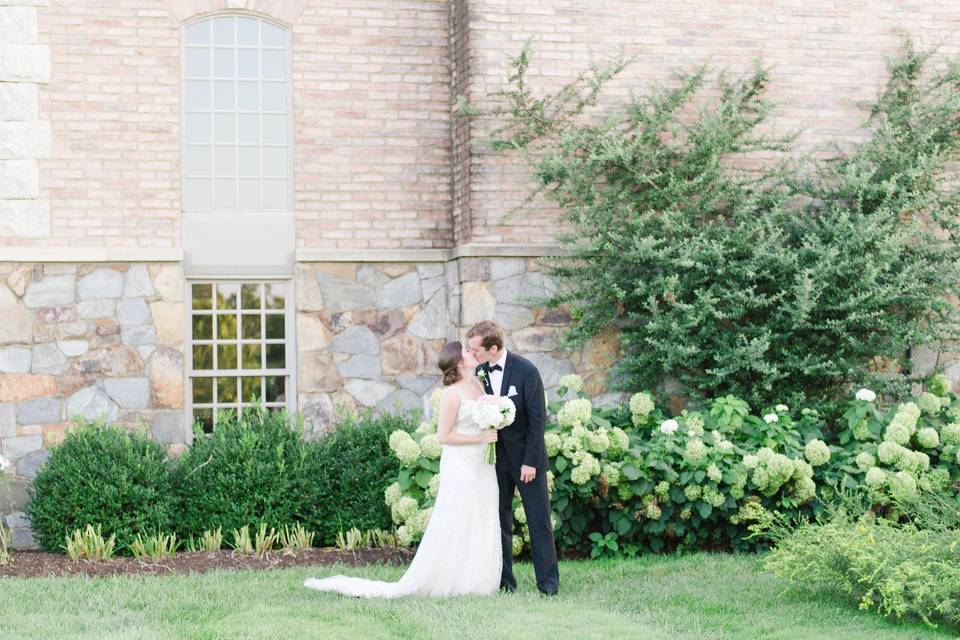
{"points": [[289, 341], [238, 207]]}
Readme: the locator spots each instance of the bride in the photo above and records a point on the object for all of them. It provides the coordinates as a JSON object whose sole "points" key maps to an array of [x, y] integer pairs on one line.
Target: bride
{"points": [[460, 551]]}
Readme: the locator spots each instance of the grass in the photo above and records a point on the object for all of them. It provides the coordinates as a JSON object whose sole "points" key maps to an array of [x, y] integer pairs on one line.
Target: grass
{"points": [[697, 596]]}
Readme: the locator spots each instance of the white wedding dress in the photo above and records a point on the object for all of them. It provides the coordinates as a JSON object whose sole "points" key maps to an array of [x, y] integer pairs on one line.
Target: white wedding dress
{"points": [[460, 551]]}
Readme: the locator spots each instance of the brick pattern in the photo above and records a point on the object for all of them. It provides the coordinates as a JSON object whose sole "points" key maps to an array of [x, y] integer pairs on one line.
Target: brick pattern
{"points": [[372, 130], [827, 57], [379, 161], [460, 126]]}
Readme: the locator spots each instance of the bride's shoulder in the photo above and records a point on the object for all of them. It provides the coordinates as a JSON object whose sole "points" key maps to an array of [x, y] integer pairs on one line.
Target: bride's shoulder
{"points": [[451, 391]]}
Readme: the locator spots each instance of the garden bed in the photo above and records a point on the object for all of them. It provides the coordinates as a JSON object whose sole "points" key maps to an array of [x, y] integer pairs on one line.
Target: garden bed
{"points": [[27, 564]]}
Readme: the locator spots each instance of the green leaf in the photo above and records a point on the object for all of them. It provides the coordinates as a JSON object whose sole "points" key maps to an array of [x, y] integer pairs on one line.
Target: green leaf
{"points": [[595, 536], [601, 422], [630, 471], [424, 477], [704, 509], [560, 464]]}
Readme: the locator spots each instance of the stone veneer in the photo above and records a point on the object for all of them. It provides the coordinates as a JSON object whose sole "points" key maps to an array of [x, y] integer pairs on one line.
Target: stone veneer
{"points": [[369, 334], [90, 340], [107, 340], [24, 137]]}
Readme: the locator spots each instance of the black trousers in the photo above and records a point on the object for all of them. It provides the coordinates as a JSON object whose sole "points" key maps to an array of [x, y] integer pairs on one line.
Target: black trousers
{"points": [[536, 506]]}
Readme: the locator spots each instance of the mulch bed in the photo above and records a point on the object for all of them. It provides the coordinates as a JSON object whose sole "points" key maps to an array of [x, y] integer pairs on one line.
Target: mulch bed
{"points": [[28, 564]]}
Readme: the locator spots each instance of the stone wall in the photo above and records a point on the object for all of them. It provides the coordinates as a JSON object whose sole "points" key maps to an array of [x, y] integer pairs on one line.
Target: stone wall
{"points": [[90, 341], [368, 335]]}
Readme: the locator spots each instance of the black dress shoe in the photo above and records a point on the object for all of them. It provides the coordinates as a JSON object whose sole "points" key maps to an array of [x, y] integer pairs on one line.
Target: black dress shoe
{"points": [[547, 593], [507, 588]]}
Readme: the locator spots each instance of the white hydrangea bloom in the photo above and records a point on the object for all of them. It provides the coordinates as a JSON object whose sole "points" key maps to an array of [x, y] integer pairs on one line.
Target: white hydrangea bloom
{"points": [[930, 403], [817, 452], [714, 473], [397, 437], [782, 408], [575, 413], [866, 395], [430, 446], [598, 441], [552, 442], [641, 405], [865, 461], [950, 434], [928, 437], [404, 537], [408, 451], [669, 426], [403, 509], [875, 477], [392, 493], [572, 382], [770, 418]]}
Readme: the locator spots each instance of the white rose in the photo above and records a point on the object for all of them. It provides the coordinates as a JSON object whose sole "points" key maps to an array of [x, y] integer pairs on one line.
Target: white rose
{"points": [[866, 395], [669, 426], [770, 418]]}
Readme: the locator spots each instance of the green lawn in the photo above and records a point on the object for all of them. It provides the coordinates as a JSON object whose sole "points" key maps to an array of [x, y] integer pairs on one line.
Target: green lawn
{"points": [[699, 596]]}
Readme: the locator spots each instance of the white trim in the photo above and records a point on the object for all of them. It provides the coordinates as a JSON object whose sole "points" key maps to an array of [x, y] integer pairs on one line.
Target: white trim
{"points": [[88, 254], [289, 341]]}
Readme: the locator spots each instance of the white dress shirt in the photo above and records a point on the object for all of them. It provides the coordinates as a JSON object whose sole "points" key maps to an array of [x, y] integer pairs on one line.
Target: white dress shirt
{"points": [[496, 377]]}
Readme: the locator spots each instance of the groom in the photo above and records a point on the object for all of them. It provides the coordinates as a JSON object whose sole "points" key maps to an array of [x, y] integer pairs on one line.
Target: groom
{"points": [[521, 455]]}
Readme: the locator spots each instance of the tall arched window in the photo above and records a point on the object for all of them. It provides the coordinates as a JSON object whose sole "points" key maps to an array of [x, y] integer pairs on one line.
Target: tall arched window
{"points": [[237, 223], [237, 139]]}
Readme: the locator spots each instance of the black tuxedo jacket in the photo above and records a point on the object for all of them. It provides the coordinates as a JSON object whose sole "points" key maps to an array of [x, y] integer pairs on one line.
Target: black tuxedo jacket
{"points": [[521, 443]]}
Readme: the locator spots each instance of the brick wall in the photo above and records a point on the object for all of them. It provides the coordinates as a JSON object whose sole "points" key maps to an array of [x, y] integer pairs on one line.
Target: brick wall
{"points": [[372, 124], [827, 56], [379, 162]]}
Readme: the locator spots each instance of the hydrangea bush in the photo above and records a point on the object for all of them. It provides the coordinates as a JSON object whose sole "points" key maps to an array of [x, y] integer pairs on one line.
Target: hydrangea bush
{"points": [[629, 478]]}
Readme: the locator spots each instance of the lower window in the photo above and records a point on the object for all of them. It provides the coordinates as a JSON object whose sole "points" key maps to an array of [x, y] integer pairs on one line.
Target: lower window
{"points": [[240, 354]]}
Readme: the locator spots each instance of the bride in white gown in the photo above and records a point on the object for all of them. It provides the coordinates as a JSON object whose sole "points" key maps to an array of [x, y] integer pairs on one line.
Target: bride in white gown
{"points": [[460, 551]]}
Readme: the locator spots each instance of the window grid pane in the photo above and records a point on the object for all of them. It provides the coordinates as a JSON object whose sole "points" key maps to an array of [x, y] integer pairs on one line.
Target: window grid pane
{"points": [[231, 370], [242, 63]]}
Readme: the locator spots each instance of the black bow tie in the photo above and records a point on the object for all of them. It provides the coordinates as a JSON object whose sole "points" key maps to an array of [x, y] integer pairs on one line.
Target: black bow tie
{"points": [[494, 367]]}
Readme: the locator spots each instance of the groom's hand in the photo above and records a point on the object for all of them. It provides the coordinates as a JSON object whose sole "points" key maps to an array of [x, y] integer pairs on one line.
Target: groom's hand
{"points": [[527, 474]]}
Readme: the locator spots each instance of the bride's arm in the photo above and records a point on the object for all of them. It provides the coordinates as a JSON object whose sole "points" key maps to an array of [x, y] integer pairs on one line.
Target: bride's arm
{"points": [[449, 408]]}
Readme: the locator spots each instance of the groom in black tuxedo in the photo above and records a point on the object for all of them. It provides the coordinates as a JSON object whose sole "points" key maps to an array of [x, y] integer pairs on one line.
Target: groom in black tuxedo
{"points": [[521, 454]]}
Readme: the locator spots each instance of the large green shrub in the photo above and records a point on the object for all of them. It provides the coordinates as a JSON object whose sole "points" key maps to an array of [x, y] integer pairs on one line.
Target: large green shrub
{"points": [[908, 569], [344, 476], [628, 478], [106, 476], [772, 281], [250, 470]]}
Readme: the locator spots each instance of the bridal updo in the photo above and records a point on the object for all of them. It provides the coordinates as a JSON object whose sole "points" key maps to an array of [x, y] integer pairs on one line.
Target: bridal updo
{"points": [[449, 359]]}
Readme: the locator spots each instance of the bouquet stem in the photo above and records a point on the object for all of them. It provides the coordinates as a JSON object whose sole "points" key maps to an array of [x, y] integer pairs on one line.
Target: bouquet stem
{"points": [[490, 457]]}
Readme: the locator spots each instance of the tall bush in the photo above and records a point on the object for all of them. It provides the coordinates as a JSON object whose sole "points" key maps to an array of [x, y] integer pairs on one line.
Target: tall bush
{"points": [[770, 280], [103, 476], [344, 475], [248, 471]]}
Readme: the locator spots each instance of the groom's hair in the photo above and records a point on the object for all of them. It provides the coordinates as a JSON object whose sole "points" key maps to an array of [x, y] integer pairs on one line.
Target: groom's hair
{"points": [[490, 333]]}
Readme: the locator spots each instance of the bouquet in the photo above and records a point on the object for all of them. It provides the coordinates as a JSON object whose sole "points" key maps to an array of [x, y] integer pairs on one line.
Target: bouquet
{"points": [[493, 412]]}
